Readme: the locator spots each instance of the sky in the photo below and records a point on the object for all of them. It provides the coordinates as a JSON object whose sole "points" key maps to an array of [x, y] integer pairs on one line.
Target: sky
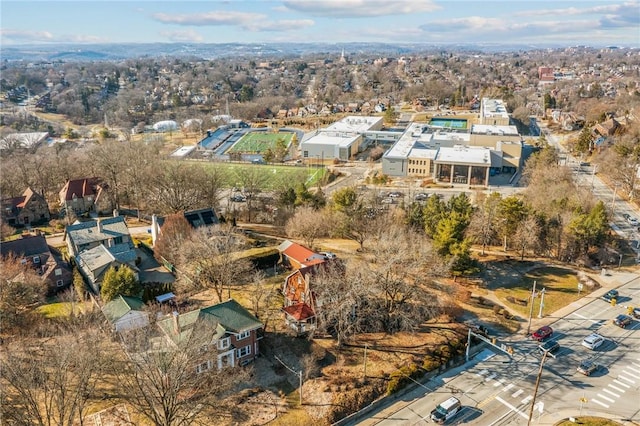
{"points": [[530, 22]]}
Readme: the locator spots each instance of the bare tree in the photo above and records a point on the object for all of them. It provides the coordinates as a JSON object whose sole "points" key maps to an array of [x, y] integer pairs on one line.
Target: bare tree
{"points": [[21, 290], [527, 235], [483, 227], [307, 224], [173, 379], [51, 383], [175, 231], [210, 258]]}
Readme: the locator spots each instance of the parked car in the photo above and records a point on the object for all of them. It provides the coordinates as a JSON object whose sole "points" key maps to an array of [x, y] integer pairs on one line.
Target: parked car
{"points": [[633, 221], [387, 201], [593, 341], [587, 367], [421, 196], [446, 410], [542, 333], [611, 294], [238, 198], [636, 313], [622, 320], [395, 194], [550, 347], [626, 216]]}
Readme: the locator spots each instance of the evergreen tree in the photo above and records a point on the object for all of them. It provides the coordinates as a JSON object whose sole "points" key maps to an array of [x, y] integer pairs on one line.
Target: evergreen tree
{"points": [[120, 281]]}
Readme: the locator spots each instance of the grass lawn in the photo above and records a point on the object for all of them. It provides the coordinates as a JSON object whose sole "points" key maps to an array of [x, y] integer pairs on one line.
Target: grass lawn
{"points": [[560, 284], [62, 309], [276, 174]]}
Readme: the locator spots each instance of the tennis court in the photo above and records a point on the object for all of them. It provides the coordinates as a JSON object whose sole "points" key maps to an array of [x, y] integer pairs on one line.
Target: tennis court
{"points": [[259, 142], [450, 123]]}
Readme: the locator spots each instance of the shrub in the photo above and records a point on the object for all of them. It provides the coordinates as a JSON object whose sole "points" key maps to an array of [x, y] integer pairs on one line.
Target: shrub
{"points": [[430, 364], [401, 377], [496, 309]]}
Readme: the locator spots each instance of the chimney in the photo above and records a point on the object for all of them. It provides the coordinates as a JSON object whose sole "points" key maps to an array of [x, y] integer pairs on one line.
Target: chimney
{"points": [[99, 225], [176, 321]]}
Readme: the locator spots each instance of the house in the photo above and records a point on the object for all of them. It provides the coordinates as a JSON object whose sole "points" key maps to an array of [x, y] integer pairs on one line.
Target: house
{"points": [[299, 303], [126, 313], [109, 232], [296, 257], [607, 128], [95, 262], [27, 209], [235, 333], [86, 195], [196, 218], [33, 251]]}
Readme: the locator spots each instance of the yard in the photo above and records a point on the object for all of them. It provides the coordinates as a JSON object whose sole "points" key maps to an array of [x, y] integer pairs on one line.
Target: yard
{"points": [[275, 175], [512, 283]]}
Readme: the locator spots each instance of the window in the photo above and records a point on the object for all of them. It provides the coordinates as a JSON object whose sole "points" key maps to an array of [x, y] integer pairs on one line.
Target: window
{"points": [[305, 154], [117, 240], [59, 283], [201, 368], [244, 351], [36, 259], [224, 343], [58, 272], [243, 335]]}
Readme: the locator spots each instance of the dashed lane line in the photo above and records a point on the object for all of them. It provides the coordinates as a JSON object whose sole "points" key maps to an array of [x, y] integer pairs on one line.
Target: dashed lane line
{"points": [[508, 387], [517, 393]]}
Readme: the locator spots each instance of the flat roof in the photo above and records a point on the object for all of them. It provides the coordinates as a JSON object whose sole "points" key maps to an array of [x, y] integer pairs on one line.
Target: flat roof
{"points": [[491, 129], [354, 124], [429, 154], [182, 151], [323, 138], [464, 155], [417, 134], [493, 108]]}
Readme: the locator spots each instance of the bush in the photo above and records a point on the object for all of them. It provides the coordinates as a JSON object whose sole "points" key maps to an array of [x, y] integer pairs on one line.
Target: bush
{"points": [[430, 364], [401, 377]]}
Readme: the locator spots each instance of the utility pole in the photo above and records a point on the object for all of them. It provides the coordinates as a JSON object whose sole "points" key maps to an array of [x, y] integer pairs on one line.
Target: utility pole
{"points": [[365, 361], [533, 295], [541, 302], [298, 373], [535, 391]]}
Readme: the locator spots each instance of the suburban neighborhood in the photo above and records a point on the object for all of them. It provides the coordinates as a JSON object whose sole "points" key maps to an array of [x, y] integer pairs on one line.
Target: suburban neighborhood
{"points": [[358, 235]]}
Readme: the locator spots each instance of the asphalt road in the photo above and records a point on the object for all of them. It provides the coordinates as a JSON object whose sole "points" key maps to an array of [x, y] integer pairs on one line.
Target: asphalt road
{"points": [[497, 391]]}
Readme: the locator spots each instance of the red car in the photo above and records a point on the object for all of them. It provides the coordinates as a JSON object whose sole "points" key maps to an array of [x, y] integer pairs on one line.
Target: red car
{"points": [[542, 333]]}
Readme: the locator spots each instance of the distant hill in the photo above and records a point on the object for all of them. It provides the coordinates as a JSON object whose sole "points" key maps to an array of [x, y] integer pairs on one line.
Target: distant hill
{"points": [[118, 51]]}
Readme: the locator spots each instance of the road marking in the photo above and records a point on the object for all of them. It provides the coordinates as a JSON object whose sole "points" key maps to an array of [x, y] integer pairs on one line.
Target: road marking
{"points": [[512, 408], [626, 379], [606, 397], [585, 318], [490, 376], [617, 388], [597, 402], [527, 399], [631, 374], [516, 393], [634, 369], [621, 384], [611, 393], [508, 387], [637, 365], [482, 373], [497, 383]]}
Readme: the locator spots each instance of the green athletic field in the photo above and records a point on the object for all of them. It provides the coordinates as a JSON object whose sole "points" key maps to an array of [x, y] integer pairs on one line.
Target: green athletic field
{"points": [[274, 177], [259, 142]]}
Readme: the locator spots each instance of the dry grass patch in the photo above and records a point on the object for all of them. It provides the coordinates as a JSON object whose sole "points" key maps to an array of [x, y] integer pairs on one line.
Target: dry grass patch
{"points": [[560, 285]]}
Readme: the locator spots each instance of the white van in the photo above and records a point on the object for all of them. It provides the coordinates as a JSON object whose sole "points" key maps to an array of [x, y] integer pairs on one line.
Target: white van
{"points": [[446, 410]]}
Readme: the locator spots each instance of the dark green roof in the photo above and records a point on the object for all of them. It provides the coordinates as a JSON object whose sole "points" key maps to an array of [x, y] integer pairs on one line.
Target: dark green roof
{"points": [[120, 306], [233, 316]]}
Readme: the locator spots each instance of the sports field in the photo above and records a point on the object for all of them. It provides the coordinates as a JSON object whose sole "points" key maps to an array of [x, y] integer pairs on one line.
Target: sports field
{"points": [[259, 142], [451, 123], [273, 177]]}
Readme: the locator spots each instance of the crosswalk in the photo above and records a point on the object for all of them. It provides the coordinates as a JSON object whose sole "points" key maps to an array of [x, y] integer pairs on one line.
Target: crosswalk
{"points": [[625, 380], [510, 395]]}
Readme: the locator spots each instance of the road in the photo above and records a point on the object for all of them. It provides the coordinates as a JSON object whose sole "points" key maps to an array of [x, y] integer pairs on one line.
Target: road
{"points": [[497, 391]]}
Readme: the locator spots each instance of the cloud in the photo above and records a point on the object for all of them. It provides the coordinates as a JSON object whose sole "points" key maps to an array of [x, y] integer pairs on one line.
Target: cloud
{"points": [[189, 36], [25, 36], [255, 22], [360, 8]]}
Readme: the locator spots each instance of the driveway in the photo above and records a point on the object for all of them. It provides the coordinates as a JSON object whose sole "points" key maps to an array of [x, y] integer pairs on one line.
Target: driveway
{"points": [[152, 271]]}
